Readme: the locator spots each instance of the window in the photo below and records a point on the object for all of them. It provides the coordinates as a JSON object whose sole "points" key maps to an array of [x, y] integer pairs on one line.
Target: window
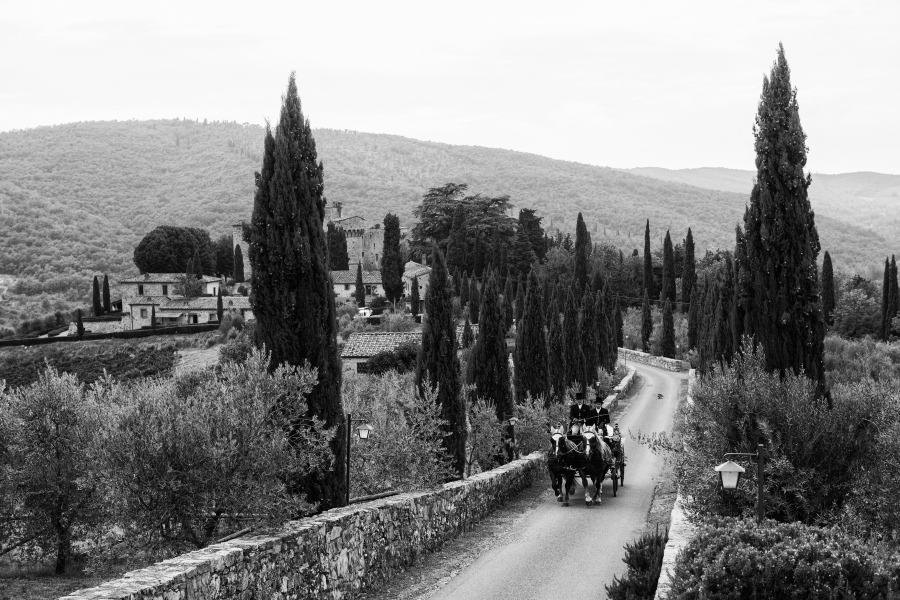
{"points": [[140, 290], [165, 290], [346, 287], [143, 313]]}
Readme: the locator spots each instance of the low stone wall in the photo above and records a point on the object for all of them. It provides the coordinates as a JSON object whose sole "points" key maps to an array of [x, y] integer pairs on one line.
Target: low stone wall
{"points": [[97, 326], [669, 364], [331, 555], [619, 392]]}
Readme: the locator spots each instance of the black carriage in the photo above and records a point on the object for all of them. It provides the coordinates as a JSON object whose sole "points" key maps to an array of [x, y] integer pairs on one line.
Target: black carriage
{"points": [[585, 452]]}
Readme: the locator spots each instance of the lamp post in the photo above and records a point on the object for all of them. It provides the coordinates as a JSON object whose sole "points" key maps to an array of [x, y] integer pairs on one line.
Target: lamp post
{"points": [[730, 475], [363, 432]]}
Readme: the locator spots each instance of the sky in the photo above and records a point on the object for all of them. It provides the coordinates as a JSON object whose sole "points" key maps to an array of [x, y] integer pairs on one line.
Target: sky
{"points": [[619, 84]]}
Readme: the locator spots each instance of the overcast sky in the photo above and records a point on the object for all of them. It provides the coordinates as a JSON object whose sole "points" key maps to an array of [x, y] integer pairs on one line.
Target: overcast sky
{"points": [[621, 84]]}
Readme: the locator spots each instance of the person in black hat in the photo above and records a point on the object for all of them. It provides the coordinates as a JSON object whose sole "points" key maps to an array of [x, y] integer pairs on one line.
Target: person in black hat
{"points": [[580, 411], [602, 413]]}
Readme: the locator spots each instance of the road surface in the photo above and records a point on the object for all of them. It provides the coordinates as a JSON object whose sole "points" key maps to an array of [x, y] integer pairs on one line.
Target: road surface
{"points": [[574, 551]]}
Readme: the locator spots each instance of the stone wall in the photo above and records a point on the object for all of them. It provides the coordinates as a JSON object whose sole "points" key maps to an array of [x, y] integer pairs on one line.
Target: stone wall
{"points": [[612, 401], [97, 326], [669, 364], [332, 555]]}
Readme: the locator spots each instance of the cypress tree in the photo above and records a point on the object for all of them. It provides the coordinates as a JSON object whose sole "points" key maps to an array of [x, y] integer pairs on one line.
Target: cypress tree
{"points": [[196, 265], [291, 293], [465, 291], [556, 356], [531, 372], [827, 289], [602, 328], [694, 314], [582, 250], [457, 245], [360, 289], [668, 331], [509, 304], [723, 348], [467, 337], [885, 299], [478, 258], [79, 324], [438, 363], [107, 302], [612, 353], [474, 301], [646, 323], [392, 260], [739, 309], [572, 337], [648, 264], [238, 269], [522, 254], [414, 296], [894, 302], [520, 299], [97, 304], [589, 341], [689, 272], [220, 310], [668, 282], [153, 316], [338, 258], [489, 365], [782, 243], [620, 325]]}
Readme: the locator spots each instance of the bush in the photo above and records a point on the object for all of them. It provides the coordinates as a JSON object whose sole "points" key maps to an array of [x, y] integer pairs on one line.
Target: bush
{"points": [[733, 558], [484, 442], [851, 361], [644, 559], [402, 359], [238, 347]]}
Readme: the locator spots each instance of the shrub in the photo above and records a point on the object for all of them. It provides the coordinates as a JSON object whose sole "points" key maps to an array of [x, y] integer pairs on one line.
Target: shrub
{"points": [[733, 558], [850, 361], [484, 442], [402, 359], [237, 348], [231, 320], [644, 559]]}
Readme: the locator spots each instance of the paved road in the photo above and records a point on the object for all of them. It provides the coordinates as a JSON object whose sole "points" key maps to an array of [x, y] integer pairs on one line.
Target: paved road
{"points": [[575, 551]]}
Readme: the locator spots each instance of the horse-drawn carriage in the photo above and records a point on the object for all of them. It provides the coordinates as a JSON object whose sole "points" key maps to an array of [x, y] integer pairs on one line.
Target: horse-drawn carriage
{"points": [[588, 451]]}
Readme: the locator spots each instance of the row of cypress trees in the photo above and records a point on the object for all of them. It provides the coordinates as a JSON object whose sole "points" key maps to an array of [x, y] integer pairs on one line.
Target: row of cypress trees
{"points": [[101, 301]]}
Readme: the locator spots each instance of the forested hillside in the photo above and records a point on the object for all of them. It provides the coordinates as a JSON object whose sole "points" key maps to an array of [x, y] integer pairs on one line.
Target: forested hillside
{"points": [[75, 199]]}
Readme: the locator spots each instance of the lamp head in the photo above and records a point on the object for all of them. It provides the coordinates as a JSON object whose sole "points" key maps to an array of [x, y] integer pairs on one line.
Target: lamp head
{"points": [[363, 431], [729, 474]]}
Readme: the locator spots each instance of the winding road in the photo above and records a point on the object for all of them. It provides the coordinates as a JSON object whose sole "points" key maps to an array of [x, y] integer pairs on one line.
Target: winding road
{"points": [[575, 551]]}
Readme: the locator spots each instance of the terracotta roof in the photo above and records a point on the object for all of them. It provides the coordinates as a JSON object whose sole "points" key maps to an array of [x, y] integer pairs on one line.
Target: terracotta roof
{"points": [[146, 300], [165, 278], [414, 269], [208, 303], [368, 344], [370, 277]]}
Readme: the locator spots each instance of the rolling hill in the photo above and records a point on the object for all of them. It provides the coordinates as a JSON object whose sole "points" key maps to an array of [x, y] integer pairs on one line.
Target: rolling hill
{"points": [[75, 199]]}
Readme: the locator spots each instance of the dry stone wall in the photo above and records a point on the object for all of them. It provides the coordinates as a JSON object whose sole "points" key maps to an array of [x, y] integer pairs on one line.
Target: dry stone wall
{"points": [[670, 364], [332, 555]]}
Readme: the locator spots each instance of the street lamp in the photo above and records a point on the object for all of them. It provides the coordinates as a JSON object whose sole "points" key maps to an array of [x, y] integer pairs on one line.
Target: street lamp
{"points": [[363, 432], [730, 476]]}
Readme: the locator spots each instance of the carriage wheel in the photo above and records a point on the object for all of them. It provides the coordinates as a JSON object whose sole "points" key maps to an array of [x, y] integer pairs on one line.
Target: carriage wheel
{"points": [[622, 475], [615, 481]]}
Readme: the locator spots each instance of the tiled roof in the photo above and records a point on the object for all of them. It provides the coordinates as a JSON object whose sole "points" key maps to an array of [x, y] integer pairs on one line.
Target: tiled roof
{"points": [[208, 303], [165, 278], [368, 344], [147, 300], [369, 277], [414, 269]]}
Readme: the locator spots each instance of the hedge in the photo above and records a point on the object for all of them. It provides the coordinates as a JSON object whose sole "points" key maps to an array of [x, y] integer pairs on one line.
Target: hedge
{"points": [[734, 558]]}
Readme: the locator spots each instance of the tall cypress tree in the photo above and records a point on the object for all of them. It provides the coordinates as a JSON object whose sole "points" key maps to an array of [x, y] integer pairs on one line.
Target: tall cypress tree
{"points": [[392, 260], [465, 291], [620, 325], [782, 243], [668, 276], [152, 316], [667, 346], [338, 258], [589, 342], [220, 309], [602, 328], [739, 309], [438, 362], [646, 323], [894, 300], [474, 301], [723, 344], [522, 254], [885, 299], [489, 365], [689, 271], [694, 314], [477, 260], [79, 324], [556, 356], [520, 299], [827, 289], [468, 338], [291, 294], [509, 304], [238, 269], [107, 301], [531, 372], [648, 264], [572, 337], [582, 251], [457, 245], [359, 291], [97, 304], [612, 345], [414, 296]]}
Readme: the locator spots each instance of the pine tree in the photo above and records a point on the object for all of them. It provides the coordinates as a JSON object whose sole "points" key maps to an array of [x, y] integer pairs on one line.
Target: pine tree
{"points": [[827, 289], [572, 337], [689, 272], [220, 310], [338, 258], [291, 293], [582, 251], [97, 304], [414, 296], [457, 245], [648, 264], [782, 243], [522, 254], [668, 282], [556, 356], [474, 301], [438, 363], [646, 323], [79, 324], [467, 337], [107, 301], [589, 342], [360, 289], [489, 363], [668, 331], [531, 347], [238, 269], [392, 260]]}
